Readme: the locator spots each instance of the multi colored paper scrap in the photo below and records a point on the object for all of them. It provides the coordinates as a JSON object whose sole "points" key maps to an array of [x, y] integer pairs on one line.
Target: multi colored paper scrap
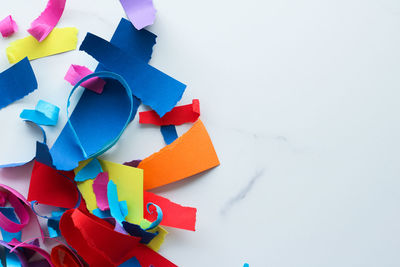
{"points": [[99, 212]]}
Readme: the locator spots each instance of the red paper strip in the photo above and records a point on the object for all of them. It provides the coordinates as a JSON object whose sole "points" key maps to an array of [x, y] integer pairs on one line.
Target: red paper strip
{"points": [[177, 116], [52, 187], [174, 215], [102, 246]]}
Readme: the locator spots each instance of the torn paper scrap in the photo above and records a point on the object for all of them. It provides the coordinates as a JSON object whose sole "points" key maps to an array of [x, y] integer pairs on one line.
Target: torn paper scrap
{"points": [[48, 19], [44, 113], [99, 111], [153, 87], [90, 171], [60, 40], [104, 246], [76, 72], [16, 82], [175, 215], [177, 116], [100, 190], [169, 133], [191, 153], [129, 183], [132, 41], [8, 26], [52, 187], [140, 12]]}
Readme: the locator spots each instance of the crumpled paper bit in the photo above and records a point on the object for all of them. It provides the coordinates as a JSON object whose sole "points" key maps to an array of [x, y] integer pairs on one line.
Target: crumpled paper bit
{"points": [[169, 133], [104, 246], [129, 182], [76, 72], [16, 82], [98, 111], [191, 153], [44, 113], [48, 19], [140, 12], [60, 40], [177, 116], [85, 141], [174, 215], [52, 187], [8, 26], [153, 87], [136, 230]]}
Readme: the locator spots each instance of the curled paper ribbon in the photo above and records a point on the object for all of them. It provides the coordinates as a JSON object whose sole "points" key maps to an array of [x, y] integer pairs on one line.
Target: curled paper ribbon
{"points": [[101, 74], [159, 216], [48, 19], [21, 210], [62, 256]]}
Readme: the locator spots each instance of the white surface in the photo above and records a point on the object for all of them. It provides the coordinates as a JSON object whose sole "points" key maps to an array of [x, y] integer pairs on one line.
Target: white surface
{"points": [[300, 98]]}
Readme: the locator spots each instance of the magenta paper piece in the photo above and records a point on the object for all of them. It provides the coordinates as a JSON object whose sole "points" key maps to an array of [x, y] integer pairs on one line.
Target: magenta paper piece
{"points": [[76, 72], [8, 26], [15, 193], [140, 12], [100, 190], [48, 19]]}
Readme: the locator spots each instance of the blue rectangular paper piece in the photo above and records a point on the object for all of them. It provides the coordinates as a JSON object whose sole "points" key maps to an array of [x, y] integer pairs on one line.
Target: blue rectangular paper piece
{"points": [[10, 214], [94, 115], [169, 133], [16, 82], [153, 87]]}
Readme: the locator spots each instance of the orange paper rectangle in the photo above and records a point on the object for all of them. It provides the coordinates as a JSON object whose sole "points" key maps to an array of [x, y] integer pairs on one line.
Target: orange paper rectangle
{"points": [[188, 155]]}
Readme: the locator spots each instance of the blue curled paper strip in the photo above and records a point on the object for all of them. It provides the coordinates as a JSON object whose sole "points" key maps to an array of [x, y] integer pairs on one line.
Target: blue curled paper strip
{"points": [[159, 216], [101, 74]]}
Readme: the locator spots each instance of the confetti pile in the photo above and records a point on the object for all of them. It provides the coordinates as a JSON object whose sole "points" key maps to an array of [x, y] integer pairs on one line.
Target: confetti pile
{"points": [[101, 213]]}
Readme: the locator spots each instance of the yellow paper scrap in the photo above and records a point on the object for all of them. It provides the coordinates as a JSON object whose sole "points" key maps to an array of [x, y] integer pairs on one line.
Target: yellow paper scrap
{"points": [[86, 189], [129, 181], [58, 41], [157, 241]]}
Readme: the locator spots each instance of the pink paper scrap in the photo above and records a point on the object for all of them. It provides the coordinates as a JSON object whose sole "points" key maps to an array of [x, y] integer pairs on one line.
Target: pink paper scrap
{"points": [[8, 26], [76, 72], [100, 190], [48, 19]]}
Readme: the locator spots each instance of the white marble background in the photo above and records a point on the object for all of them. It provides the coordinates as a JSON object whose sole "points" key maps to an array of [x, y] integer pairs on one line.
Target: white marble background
{"points": [[301, 99]]}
